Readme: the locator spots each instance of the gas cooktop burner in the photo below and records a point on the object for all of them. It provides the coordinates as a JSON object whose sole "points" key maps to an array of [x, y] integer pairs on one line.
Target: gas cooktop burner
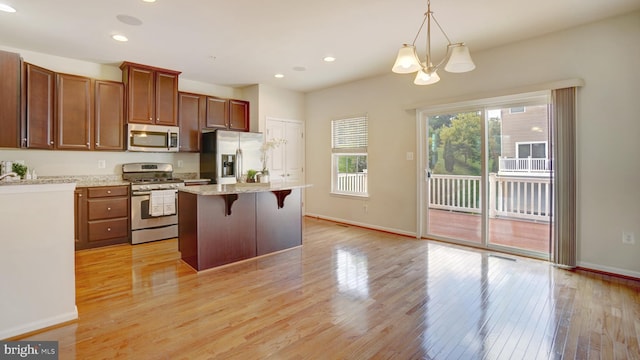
{"points": [[149, 175]]}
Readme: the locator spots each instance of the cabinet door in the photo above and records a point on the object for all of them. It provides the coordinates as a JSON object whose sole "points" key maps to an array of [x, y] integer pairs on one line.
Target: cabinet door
{"points": [[73, 112], [239, 115], [80, 224], [166, 99], [39, 114], [140, 95], [9, 99], [109, 115], [191, 110], [217, 113]]}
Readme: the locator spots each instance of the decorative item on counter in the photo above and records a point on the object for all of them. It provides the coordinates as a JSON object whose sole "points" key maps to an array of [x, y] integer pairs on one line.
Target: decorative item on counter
{"points": [[19, 169], [251, 175], [265, 149]]}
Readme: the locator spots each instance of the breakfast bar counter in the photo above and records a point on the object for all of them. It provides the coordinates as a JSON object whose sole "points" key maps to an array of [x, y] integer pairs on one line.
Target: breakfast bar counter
{"points": [[222, 224]]}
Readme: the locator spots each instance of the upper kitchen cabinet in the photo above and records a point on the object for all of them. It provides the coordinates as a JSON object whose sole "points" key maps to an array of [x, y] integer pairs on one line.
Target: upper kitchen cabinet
{"points": [[40, 87], [151, 94], [191, 114], [74, 113], [227, 114], [109, 115], [239, 115], [10, 103]]}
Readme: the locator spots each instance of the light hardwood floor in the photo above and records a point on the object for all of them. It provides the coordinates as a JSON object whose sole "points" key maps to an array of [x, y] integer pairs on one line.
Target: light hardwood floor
{"points": [[347, 293]]}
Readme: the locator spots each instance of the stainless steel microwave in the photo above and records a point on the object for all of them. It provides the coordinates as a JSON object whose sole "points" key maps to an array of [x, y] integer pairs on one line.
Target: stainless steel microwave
{"points": [[153, 138]]}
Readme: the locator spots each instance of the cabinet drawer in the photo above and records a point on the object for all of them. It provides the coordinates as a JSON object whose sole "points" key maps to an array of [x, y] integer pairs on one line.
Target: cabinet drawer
{"points": [[107, 191], [108, 208], [108, 229]]}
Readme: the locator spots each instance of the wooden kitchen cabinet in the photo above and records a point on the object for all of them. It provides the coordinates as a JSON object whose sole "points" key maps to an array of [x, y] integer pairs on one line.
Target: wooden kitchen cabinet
{"points": [[74, 112], [191, 114], [40, 87], [227, 114], [106, 219], [10, 100], [151, 94], [238, 115], [109, 116]]}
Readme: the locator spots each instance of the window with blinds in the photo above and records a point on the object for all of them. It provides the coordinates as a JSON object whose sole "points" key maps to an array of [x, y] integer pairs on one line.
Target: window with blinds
{"points": [[349, 141]]}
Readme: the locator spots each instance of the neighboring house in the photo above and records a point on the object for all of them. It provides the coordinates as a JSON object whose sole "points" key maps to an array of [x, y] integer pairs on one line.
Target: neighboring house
{"points": [[525, 141]]}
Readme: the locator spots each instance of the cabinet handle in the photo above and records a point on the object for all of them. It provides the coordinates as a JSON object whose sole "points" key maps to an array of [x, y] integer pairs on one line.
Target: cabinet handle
{"points": [[108, 191], [88, 145], [150, 119], [108, 209], [51, 143], [108, 229], [97, 144], [79, 195]]}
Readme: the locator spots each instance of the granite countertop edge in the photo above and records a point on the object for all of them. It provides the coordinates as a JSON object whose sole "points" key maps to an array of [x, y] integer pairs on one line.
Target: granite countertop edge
{"points": [[226, 189]]}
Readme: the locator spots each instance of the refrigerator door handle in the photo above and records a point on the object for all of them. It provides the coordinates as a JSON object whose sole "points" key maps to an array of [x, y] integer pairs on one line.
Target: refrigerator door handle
{"points": [[238, 168]]}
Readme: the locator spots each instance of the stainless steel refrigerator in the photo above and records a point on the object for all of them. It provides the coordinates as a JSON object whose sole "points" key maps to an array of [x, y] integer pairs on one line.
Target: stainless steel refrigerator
{"points": [[227, 155]]}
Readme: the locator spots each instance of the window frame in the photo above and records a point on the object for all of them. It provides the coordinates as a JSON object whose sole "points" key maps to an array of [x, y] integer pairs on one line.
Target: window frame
{"points": [[349, 150]]}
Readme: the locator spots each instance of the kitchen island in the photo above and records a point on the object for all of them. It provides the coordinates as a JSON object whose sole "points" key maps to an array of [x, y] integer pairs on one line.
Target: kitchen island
{"points": [[222, 224]]}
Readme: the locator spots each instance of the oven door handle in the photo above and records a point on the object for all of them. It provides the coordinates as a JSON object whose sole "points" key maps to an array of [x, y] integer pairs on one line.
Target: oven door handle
{"points": [[143, 193]]}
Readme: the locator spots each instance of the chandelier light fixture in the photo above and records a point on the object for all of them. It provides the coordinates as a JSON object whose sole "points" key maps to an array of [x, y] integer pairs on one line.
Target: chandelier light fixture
{"points": [[458, 58]]}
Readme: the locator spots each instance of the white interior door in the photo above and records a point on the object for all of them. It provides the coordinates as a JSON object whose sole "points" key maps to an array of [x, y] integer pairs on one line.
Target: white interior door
{"points": [[286, 161]]}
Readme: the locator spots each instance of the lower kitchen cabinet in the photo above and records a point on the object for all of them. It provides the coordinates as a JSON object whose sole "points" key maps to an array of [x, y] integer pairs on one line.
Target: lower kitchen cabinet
{"points": [[102, 218]]}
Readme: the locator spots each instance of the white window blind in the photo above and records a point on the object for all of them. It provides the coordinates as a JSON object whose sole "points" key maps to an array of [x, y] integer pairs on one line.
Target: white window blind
{"points": [[349, 135]]}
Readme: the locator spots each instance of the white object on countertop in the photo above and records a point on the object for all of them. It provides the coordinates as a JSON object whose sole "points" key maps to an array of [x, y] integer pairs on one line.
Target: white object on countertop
{"points": [[34, 176]]}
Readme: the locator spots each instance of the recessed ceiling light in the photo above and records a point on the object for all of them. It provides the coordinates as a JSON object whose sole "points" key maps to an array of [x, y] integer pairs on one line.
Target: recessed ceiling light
{"points": [[118, 37], [7, 8], [279, 76], [149, 1], [329, 59]]}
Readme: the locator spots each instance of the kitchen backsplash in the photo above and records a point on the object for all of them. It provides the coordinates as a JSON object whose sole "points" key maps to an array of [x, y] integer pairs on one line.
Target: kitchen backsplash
{"points": [[99, 163]]}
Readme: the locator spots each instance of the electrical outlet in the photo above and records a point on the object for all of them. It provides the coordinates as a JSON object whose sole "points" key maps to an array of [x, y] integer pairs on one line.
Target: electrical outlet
{"points": [[628, 238], [409, 155], [180, 163], [365, 207], [102, 164]]}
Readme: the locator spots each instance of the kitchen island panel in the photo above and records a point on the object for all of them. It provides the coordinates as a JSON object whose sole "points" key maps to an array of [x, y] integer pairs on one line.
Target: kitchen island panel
{"points": [[278, 228], [210, 237]]}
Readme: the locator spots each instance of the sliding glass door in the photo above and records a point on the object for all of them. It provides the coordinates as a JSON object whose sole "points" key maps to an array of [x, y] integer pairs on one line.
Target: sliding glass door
{"points": [[454, 181], [488, 175]]}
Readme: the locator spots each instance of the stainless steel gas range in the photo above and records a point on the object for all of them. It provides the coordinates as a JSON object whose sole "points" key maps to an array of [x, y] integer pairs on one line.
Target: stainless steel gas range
{"points": [[154, 201]]}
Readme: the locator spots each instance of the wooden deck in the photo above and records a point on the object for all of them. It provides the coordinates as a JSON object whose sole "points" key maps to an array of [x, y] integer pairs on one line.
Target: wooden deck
{"points": [[521, 234], [347, 293]]}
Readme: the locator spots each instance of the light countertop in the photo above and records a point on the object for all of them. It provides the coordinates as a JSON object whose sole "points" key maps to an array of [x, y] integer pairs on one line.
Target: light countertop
{"points": [[224, 189]]}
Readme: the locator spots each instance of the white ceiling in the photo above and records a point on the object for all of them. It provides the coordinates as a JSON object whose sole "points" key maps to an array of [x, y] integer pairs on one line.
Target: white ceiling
{"points": [[243, 42]]}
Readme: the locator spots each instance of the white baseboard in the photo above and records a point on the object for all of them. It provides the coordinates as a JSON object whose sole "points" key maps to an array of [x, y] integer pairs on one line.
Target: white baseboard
{"points": [[364, 225], [612, 270], [39, 324]]}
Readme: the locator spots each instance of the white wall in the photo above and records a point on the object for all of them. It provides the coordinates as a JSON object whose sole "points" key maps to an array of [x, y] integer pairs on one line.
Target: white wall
{"points": [[36, 257], [604, 54]]}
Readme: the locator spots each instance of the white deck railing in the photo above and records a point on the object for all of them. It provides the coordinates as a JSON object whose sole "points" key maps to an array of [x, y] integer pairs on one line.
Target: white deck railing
{"points": [[509, 197], [524, 165], [352, 183]]}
